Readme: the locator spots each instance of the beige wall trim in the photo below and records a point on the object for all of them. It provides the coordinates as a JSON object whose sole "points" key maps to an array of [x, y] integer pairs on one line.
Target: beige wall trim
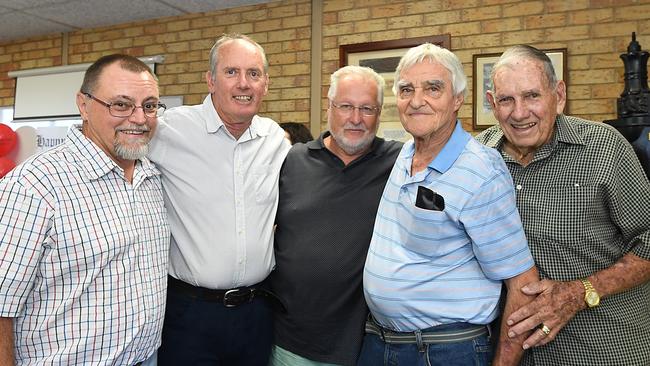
{"points": [[65, 43], [316, 62]]}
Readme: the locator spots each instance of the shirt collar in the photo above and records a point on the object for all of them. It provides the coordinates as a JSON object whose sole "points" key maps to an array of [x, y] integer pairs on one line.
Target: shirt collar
{"points": [[94, 161], [213, 121], [319, 143], [564, 132], [449, 153]]}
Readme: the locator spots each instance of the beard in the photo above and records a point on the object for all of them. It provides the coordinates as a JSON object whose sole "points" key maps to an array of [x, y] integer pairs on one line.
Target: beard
{"points": [[135, 149], [131, 152], [352, 147]]}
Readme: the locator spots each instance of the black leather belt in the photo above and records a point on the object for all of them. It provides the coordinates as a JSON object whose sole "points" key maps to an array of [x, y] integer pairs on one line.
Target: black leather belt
{"points": [[229, 298]]}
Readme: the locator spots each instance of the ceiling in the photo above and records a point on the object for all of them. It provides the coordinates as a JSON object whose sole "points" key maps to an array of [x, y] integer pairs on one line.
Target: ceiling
{"points": [[30, 18]]}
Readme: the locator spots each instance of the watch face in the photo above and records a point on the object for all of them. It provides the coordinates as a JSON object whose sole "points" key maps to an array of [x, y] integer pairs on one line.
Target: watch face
{"points": [[592, 298]]}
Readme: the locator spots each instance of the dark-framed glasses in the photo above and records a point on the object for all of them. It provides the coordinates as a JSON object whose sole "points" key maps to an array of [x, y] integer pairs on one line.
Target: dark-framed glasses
{"points": [[123, 109], [365, 110]]}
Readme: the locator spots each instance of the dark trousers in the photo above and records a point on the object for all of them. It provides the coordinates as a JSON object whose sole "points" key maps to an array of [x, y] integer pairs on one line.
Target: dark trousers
{"points": [[198, 332]]}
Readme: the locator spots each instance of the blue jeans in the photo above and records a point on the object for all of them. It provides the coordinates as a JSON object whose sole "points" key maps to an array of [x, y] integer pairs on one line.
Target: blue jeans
{"points": [[476, 351]]}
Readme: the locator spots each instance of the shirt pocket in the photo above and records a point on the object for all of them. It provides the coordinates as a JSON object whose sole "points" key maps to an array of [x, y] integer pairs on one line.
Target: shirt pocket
{"points": [[431, 233], [562, 213], [265, 183]]}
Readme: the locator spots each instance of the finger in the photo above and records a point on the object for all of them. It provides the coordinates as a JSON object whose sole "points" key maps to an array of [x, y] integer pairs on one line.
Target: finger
{"points": [[523, 313], [524, 326], [548, 338], [534, 339], [534, 288], [544, 341]]}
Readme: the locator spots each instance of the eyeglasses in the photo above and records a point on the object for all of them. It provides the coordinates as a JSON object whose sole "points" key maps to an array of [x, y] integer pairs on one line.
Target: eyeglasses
{"points": [[126, 109], [365, 110]]}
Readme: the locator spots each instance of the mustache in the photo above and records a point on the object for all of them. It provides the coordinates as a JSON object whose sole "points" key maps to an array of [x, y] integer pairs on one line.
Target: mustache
{"points": [[133, 128], [352, 126]]}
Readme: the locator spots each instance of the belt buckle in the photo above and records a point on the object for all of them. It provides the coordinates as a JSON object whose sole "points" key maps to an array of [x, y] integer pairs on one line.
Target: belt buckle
{"points": [[235, 297]]}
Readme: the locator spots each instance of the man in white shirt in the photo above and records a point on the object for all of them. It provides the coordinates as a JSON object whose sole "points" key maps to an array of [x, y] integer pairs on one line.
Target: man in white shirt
{"points": [[220, 164]]}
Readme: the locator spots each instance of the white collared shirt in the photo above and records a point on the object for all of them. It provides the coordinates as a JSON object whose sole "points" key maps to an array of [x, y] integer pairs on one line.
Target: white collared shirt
{"points": [[221, 195]]}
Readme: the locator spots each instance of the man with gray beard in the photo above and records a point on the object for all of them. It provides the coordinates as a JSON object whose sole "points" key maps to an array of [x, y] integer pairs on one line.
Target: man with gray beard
{"points": [[83, 233], [322, 234]]}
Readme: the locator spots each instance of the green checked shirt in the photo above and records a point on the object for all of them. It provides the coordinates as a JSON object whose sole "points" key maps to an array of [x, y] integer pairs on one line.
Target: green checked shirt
{"points": [[585, 202]]}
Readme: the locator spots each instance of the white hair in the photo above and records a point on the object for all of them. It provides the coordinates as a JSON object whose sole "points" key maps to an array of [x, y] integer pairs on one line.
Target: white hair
{"points": [[444, 57], [365, 72]]}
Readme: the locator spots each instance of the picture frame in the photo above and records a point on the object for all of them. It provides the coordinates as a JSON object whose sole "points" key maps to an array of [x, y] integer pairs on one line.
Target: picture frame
{"points": [[383, 57], [482, 116]]}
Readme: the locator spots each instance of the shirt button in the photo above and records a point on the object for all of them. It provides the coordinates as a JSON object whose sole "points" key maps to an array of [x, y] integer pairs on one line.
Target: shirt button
{"points": [[518, 186]]}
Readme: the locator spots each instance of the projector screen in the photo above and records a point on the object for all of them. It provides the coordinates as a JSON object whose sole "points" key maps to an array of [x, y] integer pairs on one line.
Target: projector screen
{"points": [[47, 96]]}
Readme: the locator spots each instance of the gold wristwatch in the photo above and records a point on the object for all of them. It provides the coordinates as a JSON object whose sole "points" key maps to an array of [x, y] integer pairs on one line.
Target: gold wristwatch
{"points": [[591, 296]]}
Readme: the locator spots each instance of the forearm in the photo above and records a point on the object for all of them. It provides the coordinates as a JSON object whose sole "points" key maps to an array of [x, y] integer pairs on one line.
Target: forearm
{"points": [[510, 349], [629, 272], [6, 341]]}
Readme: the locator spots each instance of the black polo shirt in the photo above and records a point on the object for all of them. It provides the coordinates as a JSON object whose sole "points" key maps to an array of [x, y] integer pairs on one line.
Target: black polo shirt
{"points": [[324, 222]]}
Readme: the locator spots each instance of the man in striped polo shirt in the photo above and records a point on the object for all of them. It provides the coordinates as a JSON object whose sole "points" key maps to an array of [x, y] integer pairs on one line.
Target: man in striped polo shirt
{"points": [[447, 232]]}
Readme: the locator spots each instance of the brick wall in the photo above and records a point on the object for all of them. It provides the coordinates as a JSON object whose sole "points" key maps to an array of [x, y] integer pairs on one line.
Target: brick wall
{"points": [[283, 28], [595, 32]]}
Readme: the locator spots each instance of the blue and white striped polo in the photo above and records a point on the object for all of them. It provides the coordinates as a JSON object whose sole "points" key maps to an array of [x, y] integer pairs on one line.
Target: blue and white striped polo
{"points": [[426, 267]]}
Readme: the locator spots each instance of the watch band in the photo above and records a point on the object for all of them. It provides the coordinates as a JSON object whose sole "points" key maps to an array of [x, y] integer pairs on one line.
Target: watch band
{"points": [[588, 286], [592, 298]]}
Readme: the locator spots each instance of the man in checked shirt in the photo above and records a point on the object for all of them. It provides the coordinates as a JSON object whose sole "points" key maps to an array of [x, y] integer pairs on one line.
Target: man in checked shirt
{"points": [[584, 201], [83, 233]]}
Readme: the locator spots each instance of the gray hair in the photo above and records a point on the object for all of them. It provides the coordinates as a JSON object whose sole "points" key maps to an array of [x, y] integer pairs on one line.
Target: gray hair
{"points": [[444, 57], [214, 52], [525, 52], [365, 72]]}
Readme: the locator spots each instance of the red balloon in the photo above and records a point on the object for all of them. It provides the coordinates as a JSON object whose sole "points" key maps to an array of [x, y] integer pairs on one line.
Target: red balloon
{"points": [[6, 165], [8, 139]]}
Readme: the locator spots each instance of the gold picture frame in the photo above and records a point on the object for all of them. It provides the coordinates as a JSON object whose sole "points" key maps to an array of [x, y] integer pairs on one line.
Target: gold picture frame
{"points": [[383, 57], [482, 116]]}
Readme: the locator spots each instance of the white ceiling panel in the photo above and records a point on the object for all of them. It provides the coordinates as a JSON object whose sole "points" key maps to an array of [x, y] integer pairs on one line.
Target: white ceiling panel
{"points": [[25, 4], [200, 6], [4, 10], [29, 18], [16, 25], [90, 14]]}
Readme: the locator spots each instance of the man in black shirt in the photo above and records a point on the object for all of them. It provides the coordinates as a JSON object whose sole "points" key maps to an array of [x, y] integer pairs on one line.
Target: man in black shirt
{"points": [[329, 194]]}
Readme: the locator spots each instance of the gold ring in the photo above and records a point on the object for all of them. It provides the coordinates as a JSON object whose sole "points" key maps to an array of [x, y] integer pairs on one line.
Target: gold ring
{"points": [[546, 330]]}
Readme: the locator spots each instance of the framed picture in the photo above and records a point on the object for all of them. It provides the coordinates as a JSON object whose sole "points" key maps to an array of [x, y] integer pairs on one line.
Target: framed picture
{"points": [[383, 57], [482, 116]]}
